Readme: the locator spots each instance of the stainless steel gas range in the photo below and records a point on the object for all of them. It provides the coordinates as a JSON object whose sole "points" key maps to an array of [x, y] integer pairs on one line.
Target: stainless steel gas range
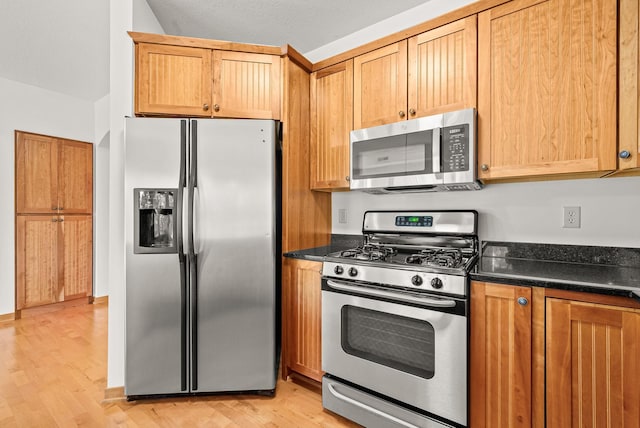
{"points": [[395, 320]]}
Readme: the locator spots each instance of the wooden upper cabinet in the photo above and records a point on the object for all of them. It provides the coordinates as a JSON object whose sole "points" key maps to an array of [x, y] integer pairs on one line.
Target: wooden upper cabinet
{"points": [[75, 177], [332, 121], [592, 358], [36, 173], [380, 86], [246, 85], [547, 89], [629, 89], [443, 69], [53, 175], [501, 358], [173, 80]]}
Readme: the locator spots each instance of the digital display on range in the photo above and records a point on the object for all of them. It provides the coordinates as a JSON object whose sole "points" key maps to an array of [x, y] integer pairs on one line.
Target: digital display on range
{"points": [[414, 221]]}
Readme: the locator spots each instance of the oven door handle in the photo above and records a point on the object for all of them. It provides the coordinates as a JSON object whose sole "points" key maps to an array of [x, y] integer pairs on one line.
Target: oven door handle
{"points": [[436, 303], [370, 409]]}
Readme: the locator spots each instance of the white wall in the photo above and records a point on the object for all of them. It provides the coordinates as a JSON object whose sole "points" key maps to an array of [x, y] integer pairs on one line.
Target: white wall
{"points": [[523, 212], [126, 15], [101, 198], [28, 108]]}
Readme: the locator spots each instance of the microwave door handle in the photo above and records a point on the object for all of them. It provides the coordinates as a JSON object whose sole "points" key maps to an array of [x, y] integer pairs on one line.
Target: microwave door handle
{"points": [[436, 149]]}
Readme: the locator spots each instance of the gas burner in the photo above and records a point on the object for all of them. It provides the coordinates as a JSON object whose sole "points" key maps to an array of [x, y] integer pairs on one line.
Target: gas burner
{"points": [[369, 252], [451, 258]]}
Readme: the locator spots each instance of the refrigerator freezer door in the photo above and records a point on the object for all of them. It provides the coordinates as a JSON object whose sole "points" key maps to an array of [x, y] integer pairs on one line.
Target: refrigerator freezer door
{"points": [[155, 343], [235, 244]]}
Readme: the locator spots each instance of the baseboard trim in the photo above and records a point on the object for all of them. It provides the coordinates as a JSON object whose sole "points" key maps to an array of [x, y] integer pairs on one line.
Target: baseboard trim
{"points": [[8, 317], [114, 394], [100, 300]]}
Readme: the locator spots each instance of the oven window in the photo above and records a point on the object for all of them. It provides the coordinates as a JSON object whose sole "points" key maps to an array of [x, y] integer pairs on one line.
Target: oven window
{"points": [[402, 343]]}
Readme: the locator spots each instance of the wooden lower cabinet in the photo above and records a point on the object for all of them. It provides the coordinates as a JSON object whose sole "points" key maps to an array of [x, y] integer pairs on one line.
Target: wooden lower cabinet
{"points": [[500, 366], [560, 359], [301, 312], [54, 259], [592, 365]]}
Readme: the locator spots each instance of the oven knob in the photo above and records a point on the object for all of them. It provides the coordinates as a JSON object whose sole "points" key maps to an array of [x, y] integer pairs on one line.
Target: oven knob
{"points": [[338, 270], [416, 280], [353, 271], [436, 283]]}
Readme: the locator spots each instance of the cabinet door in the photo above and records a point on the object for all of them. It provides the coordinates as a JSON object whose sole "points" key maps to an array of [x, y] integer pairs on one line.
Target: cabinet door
{"points": [[547, 89], [36, 174], [75, 177], [246, 85], [380, 86], [37, 268], [173, 80], [500, 378], [332, 121], [442, 69], [76, 255], [592, 365], [302, 312]]}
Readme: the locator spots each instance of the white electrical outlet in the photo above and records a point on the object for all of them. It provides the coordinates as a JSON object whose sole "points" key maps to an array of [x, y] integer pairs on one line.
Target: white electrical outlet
{"points": [[342, 216], [571, 217]]}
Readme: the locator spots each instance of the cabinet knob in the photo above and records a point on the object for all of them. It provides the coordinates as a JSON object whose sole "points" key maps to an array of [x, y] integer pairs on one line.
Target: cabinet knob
{"points": [[624, 154], [61, 220], [522, 301], [216, 107], [53, 220], [412, 111], [484, 167], [60, 208], [401, 113], [347, 178], [205, 107]]}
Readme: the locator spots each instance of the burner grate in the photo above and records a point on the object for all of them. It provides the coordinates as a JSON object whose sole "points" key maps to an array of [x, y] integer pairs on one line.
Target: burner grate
{"points": [[370, 252], [451, 258]]}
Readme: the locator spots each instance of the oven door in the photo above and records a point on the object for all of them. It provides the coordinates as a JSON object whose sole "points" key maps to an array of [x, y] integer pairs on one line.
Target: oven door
{"points": [[409, 347]]}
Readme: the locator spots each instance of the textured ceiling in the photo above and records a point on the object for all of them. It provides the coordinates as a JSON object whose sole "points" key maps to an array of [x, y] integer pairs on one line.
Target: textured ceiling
{"points": [[63, 45], [304, 24], [59, 45]]}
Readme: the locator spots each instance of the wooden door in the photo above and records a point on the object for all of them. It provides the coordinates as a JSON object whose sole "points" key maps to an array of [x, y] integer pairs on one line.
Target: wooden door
{"points": [[246, 85], [332, 121], [500, 367], [443, 69], [38, 274], [36, 173], [302, 318], [592, 365], [547, 89], [172, 80], [75, 177], [77, 255], [380, 86]]}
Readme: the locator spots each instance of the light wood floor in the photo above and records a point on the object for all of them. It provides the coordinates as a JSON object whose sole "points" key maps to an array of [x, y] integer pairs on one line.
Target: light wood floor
{"points": [[53, 367]]}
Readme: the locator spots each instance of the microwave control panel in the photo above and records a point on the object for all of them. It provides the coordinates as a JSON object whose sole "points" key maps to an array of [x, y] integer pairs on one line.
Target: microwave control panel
{"points": [[455, 148]]}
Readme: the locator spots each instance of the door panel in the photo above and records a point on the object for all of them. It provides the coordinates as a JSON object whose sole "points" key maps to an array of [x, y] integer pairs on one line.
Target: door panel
{"points": [[36, 174], [77, 244], [75, 177], [154, 337], [235, 246]]}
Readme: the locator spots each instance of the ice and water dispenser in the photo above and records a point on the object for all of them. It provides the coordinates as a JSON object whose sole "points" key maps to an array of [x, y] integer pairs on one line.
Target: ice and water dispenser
{"points": [[155, 221]]}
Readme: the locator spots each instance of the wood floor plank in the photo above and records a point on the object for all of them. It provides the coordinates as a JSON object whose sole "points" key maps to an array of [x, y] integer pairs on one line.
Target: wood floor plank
{"points": [[53, 367]]}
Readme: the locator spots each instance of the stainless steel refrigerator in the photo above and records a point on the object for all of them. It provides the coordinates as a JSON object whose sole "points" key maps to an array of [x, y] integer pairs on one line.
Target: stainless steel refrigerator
{"points": [[202, 250]]}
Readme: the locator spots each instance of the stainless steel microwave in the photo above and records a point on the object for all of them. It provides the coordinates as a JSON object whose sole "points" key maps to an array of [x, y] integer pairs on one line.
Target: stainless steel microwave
{"points": [[433, 153]]}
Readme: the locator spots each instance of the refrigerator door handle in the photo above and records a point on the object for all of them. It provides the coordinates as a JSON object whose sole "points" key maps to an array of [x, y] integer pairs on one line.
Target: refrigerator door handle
{"points": [[193, 258], [182, 257]]}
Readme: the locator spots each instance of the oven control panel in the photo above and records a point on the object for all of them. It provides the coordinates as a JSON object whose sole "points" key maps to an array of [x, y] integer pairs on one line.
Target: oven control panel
{"points": [[414, 221], [397, 277]]}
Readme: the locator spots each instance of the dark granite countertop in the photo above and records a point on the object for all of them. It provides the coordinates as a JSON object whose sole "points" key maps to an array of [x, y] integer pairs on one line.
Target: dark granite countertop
{"points": [[603, 270], [338, 243]]}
